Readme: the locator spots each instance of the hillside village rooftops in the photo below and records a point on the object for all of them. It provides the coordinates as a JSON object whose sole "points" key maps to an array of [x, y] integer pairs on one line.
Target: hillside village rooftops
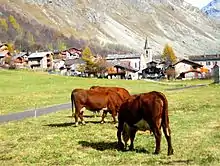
{"points": [[205, 57], [189, 62], [3, 53], [21, 54], [38, 54], [122, 56]]}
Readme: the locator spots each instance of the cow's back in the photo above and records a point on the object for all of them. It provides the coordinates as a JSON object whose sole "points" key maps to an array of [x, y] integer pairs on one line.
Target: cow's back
{"points": [[121, 91]]}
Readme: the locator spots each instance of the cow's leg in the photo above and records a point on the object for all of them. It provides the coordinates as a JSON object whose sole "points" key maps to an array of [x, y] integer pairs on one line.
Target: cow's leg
{"points": [[81, 115], [114, 116], [120, 129], [157, 133], [132, 136], [76, 116], [167, 133], [104, 114], [78, 111]]}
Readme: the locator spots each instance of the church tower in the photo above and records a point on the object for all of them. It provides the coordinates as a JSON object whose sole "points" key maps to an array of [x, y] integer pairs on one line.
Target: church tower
{"points": [[146, 56], [148, 50]]}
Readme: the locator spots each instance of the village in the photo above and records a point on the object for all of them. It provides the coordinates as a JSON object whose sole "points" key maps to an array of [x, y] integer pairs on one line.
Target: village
{"points": [[132, 66]]}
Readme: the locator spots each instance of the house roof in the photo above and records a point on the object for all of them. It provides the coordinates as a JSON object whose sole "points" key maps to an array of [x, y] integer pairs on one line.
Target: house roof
{"points": [[3, 53], [189, 62], [122, 64], [69, 62], [205, 57], [21, 54], [122, 56], [57, 60], [39, 54], [153, 62]]}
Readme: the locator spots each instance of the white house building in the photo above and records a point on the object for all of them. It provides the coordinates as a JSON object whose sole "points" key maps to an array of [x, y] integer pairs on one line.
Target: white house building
{"points": [[187, 69], [137, 61], [41, 60], [208, 61]]}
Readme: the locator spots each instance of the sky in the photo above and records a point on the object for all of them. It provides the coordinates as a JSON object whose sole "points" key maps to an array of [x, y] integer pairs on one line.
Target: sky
{"points": [[198, 3]]}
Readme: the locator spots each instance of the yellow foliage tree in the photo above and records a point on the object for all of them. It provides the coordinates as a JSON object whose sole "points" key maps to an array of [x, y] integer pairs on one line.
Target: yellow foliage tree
{"points": [[169, 55], [14, 23], [4, 24], [88, 57], [61, 45], [31, 39], [87, 54], [10, 47]]}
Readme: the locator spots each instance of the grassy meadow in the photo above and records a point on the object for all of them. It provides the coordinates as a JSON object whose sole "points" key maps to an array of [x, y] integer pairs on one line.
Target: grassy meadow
{"points": [[53, 140], [22, 90]]}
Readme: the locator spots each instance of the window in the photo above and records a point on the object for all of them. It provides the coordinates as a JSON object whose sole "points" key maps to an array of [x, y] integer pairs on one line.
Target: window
{"points": [[208, 63]]}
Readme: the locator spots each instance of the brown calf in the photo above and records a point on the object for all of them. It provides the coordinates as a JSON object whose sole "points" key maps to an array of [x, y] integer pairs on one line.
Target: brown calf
{"points": [[143, 112]]}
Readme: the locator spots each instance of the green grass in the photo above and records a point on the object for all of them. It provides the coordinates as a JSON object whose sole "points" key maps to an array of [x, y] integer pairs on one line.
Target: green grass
{"points": [[53, 140], [22, 90]]}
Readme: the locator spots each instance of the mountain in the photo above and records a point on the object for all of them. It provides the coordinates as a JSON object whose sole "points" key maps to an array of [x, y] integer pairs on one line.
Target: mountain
{"points": [[118, 24], [212, 9]]}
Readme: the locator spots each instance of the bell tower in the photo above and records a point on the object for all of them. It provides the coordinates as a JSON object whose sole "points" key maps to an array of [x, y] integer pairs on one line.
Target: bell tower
{"points": [[147, 55], [148, 51]]}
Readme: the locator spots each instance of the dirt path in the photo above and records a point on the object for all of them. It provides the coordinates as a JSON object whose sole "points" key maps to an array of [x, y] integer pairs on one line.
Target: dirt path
{"points": [[42, 111]]}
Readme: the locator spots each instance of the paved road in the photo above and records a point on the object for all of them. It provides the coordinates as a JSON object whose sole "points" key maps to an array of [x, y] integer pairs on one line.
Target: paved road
{"points": [[186, 87], [41, 111], [34, 113]]}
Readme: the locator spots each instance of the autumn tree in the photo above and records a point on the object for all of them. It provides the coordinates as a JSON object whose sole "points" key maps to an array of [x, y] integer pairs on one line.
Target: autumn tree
{"points": [[92, 65], [11, 47], [61, 45], [4, 24], [88, 57], [168, 55], [50, 46], [30, 37], [14, 23]]}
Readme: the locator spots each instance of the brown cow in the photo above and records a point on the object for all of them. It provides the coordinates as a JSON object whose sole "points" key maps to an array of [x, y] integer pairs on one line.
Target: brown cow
{"points": [[121, 91], [72, 97], [143, 112], [94, 100]]}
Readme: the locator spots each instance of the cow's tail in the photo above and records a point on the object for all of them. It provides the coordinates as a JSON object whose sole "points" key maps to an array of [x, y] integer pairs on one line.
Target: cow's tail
{"points": [[165, 117], [72, 102], [165, 123]]}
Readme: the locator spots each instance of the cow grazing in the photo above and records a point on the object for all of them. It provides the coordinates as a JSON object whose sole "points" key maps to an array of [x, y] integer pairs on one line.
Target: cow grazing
{"points": [[72, 97], [147, 111], [121, 91], [93, 100]]}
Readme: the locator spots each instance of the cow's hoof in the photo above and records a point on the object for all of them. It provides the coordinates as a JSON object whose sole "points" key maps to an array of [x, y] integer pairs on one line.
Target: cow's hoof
{"points": [[83, 122], [76, 124], [120, 146], [170, 152], [102, 122], [156, 153], [131, 148]]}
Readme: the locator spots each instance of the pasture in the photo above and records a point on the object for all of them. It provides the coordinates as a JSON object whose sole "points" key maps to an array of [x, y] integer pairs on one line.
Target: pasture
{"points": [[22, 90], [53, 140]]}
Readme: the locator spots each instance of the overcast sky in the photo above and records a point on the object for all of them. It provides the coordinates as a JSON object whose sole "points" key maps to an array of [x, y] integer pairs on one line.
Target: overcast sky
{"points": [[198, 3]]}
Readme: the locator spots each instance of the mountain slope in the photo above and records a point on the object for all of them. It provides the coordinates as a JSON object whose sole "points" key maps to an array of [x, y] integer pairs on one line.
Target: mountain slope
{"points": [[127, 22], [212, 9]]}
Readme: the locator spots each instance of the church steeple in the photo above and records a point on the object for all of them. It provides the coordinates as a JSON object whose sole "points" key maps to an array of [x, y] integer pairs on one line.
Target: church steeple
{"points": [[148, 50]]}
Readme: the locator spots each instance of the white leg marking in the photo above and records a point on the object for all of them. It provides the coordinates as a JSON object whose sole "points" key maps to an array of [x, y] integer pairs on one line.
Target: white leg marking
{"points": [[167, 132], [126, 134], [82, 110]]}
